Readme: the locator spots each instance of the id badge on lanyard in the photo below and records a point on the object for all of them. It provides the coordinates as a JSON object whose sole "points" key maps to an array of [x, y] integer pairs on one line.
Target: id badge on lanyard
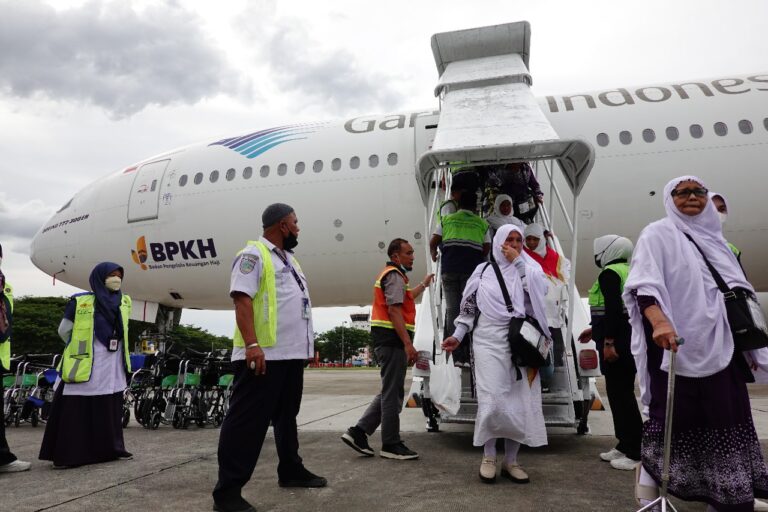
{"points": [[306, 309], [113, 344]]}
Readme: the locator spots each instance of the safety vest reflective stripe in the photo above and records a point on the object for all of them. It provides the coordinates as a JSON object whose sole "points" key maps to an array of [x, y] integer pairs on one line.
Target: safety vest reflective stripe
{"points": [[735, 250], [77, 359], [380, 309], [5, 347], [596, 299], [265, 301]]}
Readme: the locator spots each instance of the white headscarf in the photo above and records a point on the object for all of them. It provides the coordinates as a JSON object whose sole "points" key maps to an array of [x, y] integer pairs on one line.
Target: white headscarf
{"points": [[535, 229], [609, 248], [666, 266], [490, 300], [497, 219], [721, 216]]}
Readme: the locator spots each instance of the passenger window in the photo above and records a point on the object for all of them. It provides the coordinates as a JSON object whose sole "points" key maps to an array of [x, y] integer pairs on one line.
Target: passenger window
{"points": [[354, 162], [649, 135], [317, 166], [745, 126], [696, 131], [602, 139], [282, 169], [299, 167], [673, 133], [392, 159], [721, 129], [183, 180], [336, 164], [198, 178], [264, 171], [247, 173], [153, 186], [214, 176], [373, 161], [230, 174], [625, 137]]}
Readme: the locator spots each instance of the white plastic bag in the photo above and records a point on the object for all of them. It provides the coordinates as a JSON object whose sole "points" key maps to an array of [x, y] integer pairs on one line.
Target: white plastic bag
{"points": [[445, 386]]}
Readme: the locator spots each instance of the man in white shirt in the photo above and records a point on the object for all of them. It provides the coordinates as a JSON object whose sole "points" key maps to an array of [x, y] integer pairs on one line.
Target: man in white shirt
{"points": [[273, 340]]}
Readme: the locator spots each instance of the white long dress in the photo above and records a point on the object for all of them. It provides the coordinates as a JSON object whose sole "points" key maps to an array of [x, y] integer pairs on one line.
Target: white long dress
{"points": [[506, 407]]}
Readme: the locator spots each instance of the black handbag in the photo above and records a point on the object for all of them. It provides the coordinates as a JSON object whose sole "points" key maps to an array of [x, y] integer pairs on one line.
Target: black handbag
{"points": [[745, 317], [527, 342]]}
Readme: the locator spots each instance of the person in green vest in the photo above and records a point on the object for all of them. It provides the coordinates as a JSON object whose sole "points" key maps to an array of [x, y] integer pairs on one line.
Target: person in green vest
{"points": [[85, 423], [8, 461], [612, 334], [722, 212], [273, 340], [465, 241]]}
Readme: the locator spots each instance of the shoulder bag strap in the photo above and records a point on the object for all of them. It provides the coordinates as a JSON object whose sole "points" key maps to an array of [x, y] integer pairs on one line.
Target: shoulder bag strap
{"points": [[503, 286], [715, 274]]}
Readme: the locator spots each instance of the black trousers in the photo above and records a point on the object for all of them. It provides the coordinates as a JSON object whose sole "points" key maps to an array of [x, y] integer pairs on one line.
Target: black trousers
{"points": [[6, 457], [627, 422], [256, 401]]}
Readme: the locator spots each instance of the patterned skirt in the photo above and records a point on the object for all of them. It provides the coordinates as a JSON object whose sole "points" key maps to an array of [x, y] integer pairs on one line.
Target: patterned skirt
{"points": [[715, 453]]}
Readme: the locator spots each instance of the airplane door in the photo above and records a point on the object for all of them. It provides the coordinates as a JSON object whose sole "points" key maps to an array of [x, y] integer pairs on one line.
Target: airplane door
{"points": [[425, 128], [144, 201]]}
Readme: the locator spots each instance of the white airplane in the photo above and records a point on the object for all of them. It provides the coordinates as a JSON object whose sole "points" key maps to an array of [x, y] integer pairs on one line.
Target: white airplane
{"points": [[175, 220]]}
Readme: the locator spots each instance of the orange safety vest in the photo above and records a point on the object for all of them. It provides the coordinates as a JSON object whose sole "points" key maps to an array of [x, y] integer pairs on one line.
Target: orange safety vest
{"points": [[380, 311]]}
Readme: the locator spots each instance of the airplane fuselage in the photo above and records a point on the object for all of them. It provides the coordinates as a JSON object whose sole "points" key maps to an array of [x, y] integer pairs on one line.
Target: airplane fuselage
{"points": [[175, 221]]}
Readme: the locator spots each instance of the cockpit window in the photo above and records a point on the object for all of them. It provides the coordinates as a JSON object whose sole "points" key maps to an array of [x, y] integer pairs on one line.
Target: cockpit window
{"points": [[66, 205]]}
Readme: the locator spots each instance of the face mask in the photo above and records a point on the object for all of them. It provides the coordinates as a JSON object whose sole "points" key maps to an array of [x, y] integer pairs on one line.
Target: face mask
{"points": [[113, 283], [722, 216], [290, 241]]}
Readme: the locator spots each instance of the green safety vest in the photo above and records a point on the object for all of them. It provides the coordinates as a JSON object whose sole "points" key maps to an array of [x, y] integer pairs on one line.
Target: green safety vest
{"points": [[440, 209], [77, 360], [5, 347], [265, 301], [735, 250], [464, 229], [596, 299]]}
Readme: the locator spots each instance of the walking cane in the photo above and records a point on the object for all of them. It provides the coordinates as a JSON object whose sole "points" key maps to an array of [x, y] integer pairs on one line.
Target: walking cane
{"points": [[663, 500]]}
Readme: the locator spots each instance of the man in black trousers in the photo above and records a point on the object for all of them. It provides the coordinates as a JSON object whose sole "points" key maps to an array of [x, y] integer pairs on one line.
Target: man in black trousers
{"points": [[273, 339]]}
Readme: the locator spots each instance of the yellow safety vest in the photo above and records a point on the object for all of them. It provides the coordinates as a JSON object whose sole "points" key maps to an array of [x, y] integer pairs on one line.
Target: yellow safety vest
{"points": [[265, 301], [77, 360], [5, 347]]}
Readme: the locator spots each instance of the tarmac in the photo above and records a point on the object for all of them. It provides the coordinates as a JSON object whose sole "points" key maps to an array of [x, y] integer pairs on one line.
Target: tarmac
{"points": [[175, 470]]}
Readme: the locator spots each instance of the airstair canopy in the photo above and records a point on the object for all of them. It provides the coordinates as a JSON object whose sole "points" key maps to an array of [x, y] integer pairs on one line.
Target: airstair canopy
{"points": [[488, 113]]}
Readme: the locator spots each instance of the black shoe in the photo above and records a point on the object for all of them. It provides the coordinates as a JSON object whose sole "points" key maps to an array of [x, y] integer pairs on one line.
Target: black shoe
{"points": [[356, 439], [233, 505], [302, 478], [397, 451]]}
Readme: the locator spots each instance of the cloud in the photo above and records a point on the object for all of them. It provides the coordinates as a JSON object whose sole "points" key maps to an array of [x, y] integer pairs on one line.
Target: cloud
{"points": [[20, 221], [300, 64], [109, 55]]}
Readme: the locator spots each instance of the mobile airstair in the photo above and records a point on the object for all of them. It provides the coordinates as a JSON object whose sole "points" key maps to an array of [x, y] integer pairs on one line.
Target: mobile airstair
{"points": [[489, 116]]}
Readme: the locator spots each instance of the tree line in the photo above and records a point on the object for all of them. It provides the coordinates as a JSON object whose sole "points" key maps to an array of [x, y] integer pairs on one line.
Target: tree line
{"points": [[36, 322]]}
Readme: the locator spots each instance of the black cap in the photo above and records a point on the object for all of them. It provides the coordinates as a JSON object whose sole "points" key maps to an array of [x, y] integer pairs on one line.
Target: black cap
{"points": [[274, 213]]}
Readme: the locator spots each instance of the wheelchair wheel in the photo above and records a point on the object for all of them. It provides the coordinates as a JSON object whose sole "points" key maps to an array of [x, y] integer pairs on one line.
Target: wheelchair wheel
{"points": [[154, 422], [34, 417], [126, 417]]}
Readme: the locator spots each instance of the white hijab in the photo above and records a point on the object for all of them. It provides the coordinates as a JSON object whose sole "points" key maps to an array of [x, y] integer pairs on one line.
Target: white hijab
{"points": [[490, 300], [610, 248], [666, 266], [497, 219], [535, 229]]}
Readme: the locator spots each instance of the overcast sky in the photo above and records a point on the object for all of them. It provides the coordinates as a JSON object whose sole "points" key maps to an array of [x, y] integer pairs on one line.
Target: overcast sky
{"points": [[88, 87]]}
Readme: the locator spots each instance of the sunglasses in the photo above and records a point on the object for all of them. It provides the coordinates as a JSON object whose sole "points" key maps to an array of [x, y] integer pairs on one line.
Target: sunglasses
{"points": [[686, 192]]}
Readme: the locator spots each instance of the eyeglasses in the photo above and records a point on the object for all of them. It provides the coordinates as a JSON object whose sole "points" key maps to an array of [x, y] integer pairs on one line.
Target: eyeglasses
{"points": [[686, 192]]}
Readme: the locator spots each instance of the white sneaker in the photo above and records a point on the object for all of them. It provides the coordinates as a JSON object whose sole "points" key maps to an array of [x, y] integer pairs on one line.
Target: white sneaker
{"points": [[15, 466], [613, 454], [761, 506], [625, 464]]}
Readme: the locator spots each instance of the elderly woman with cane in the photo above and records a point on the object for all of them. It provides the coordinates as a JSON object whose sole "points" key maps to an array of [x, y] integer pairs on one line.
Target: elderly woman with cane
{"points": [[672, 293]]}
